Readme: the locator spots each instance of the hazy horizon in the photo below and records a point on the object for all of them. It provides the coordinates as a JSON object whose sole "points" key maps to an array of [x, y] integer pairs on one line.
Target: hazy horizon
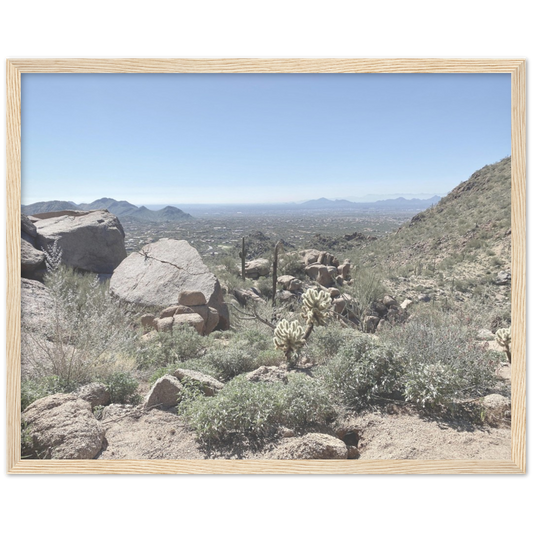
{"points": [[214, 139], [407, 196]]}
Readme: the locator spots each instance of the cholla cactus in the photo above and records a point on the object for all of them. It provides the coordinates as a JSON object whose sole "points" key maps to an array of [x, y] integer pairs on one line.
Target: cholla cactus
{"points": [[316, 306], [503, 338], [288, 337]]}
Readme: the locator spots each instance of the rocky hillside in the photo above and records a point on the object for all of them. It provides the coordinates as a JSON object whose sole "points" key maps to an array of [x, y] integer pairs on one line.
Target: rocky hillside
{"points": [[121, 209], [459, 247]]}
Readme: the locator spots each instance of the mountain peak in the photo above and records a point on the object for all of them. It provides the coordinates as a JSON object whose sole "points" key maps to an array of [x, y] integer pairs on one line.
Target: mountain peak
{"points": [[120, 208]]}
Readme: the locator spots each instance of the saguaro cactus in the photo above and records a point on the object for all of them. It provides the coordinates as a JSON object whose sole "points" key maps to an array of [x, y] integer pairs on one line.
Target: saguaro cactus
{"points": [[242, 255], [275, 271]]}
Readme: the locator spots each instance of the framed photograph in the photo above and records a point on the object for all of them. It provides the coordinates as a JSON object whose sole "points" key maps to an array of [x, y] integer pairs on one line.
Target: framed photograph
{"points": [[17, 67]]}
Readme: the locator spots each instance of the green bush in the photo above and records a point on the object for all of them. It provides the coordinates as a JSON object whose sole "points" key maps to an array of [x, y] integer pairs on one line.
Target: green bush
{"points": [[230, 362], [366, 288], [258, 343], [257, 409], [255, 339], [291, 265], [270, 357], [431, 384], [123, 388], [227, 362], [89, 331], [34, 389], [164, 349], [326, 341], [364, 371], [264, 285], [441, 349]]}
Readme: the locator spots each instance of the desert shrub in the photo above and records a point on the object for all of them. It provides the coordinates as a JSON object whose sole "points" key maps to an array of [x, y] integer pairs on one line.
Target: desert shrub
{"points": [[230, 362], [257, 341], [123, 388], [227, 270], [326, 341], [222, 335], [264, 285], [306, 401], [163, 349], [241, 352], [34, 389], [364, 371], [86, 334], [366, 288], [291, 265], [441, 349], [254, 338], [257, 409], [270, 357], [431, 384], [474, 244]]}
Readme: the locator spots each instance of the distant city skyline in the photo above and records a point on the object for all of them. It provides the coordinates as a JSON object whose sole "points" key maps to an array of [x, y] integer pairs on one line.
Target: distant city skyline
{"points": [[178, 139]]}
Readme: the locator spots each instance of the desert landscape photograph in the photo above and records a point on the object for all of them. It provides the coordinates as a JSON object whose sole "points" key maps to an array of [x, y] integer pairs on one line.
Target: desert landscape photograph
{"points": [[266, 266]]}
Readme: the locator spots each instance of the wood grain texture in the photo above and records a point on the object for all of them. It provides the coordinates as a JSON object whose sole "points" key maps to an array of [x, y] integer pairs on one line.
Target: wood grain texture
{"points": [[265, 467], [518, 267], [13, 265], [273, 65], [516, 67]]}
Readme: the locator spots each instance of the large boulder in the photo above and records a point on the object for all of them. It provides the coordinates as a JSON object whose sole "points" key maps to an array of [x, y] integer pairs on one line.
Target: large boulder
{"points": [[164, 393], [209, 385], [32, 261], [161, 272], [89, 240], [28, 230], [256, 268], [36, 305], [269, 374], [61, 426], [312, 446]]}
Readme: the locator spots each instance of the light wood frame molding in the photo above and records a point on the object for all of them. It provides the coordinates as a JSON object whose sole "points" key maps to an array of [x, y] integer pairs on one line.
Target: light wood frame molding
{"points": [[515, 67]]}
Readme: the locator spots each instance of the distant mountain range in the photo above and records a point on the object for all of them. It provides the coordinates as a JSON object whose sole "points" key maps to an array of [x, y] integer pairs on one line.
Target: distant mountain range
{"points": [[391, 196], [415, 203], [157, 213], [121, 209]]}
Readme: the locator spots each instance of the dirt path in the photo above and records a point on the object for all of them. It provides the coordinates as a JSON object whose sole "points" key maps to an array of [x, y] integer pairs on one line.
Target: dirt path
{"points": [[132, 433]]}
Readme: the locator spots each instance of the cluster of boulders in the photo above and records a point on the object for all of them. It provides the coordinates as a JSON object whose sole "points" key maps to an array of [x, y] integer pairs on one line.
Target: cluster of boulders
{"points": [[64, 426], [170, 275], [156, 277], [192, 310], [324, 269], [385, 310]]}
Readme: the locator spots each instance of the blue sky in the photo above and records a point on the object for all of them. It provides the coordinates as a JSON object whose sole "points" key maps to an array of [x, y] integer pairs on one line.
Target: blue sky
{"points": [[257, 138]]}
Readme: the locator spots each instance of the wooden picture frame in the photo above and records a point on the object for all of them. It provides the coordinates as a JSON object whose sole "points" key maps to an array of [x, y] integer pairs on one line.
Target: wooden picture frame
{"points": [[515, 67]]}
